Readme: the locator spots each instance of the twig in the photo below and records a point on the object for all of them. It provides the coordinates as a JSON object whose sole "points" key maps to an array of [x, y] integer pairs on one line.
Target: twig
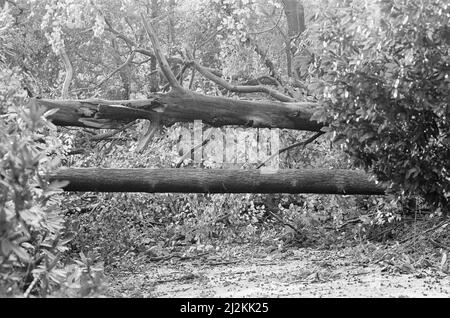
{"points": [[168, 257], [355, 220], [189, 153], [126, 39], [279, 219], [271, 28], [439, 244], [221, 263], [30, 288], [118, 69], [298, 144], [424, 232], [128, 61], [111, 133], [208, 39], [269, 64], [77, 151]]}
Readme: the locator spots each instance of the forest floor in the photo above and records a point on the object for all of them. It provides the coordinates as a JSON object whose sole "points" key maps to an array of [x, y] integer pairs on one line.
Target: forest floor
{"points": [[371, 270]]}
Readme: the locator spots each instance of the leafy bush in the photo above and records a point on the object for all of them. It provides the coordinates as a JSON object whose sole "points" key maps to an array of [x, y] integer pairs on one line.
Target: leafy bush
{"points": [[32, 235], [386, 90]]}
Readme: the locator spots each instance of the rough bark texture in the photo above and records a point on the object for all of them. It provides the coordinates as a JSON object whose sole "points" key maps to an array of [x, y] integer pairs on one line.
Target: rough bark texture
{"points": [[321, 181], [183, 106]]}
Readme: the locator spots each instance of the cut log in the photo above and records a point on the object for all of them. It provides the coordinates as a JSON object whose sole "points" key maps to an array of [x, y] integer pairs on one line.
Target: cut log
{"points": [[183, 106], [321, 181]]}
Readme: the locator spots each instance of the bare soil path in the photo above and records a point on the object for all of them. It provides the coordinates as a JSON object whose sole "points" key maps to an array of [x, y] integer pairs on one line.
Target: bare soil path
{"points": [[296, 272]]}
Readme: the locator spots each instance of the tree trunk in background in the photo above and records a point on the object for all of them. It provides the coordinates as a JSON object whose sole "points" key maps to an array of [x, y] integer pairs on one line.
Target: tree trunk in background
{"points": [[154, 77], [295, 17], [171, 33], [123, 73], [321, 181], [69, 74]]}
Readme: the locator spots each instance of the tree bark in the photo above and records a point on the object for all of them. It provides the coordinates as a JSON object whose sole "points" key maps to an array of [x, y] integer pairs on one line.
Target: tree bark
{"points": [[295, 17], [154, 78], [69, 74], [183, 106], [321, 181]]}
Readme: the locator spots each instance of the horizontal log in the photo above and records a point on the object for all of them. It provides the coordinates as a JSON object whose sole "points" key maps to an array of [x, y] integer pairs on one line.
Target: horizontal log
{"points": [[188, 180], [183, 106]]}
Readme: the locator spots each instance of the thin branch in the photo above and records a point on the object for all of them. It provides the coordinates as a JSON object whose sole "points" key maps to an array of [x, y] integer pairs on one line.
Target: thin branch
{"points": [[179, 77], [242, 89], [415, 236], [143, 62], [128, 61], [208, 39], [121, 36], [189, 153], [264, 80], [269, 64], [269, 29], [77, 151], [191, 82], [30, 288], [163, 64], [145, 52], [298, 144], [111, 133], [279, 219]]}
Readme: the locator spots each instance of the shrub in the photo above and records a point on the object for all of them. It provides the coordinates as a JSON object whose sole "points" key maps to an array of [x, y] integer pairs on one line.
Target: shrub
{"points": [[386, 91], [32, 235]]}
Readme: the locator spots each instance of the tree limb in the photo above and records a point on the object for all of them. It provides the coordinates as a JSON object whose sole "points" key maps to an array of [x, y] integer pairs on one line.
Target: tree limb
{"points": [[183, 106], [190, 152], [298, 144], [163, 64], [69, 74], [128, 61], [241, 89], [111, 133], [269, 29]]}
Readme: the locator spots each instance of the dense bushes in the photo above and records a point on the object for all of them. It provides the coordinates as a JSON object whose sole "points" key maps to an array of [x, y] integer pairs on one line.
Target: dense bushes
{"points": [[386, 87], [32, 234]]}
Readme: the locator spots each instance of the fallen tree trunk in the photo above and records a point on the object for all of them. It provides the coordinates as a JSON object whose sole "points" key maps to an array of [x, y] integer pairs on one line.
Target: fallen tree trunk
{"points": [[183, 106], [321, 181]]}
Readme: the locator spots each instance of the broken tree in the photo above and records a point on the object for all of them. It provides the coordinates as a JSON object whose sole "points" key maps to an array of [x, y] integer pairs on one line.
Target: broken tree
{"points": [[183, 105], [186, 180]]}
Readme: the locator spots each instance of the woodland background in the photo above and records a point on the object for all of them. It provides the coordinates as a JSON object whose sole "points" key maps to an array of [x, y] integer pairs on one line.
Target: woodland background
{"points": [[374, 74]]}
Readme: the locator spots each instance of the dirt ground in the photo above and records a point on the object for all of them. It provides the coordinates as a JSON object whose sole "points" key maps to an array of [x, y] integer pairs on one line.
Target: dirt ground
{"points": [[295, 272]]}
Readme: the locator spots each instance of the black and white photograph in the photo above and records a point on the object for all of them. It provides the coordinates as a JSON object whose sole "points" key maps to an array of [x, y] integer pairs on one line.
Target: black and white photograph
{"points": [[224, 154]]}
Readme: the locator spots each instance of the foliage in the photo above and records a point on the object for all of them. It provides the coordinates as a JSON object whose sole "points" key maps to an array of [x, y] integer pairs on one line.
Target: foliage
{"points": [[386, 88], [376, 99], [32, 235]]}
